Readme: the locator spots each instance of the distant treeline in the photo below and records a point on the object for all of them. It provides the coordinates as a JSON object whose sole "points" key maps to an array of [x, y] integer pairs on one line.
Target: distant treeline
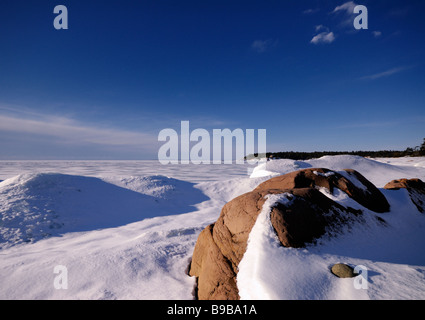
{"points": [[294, 155]]}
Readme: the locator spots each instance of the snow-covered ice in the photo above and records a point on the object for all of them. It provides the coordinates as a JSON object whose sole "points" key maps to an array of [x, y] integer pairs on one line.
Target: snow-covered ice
{"points": [[127, 230]]}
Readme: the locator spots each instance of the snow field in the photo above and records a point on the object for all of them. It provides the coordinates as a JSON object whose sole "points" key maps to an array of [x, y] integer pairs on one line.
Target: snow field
{"points": [[128, 232]]}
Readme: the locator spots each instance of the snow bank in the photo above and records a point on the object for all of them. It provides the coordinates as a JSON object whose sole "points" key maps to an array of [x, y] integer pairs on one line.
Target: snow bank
{"points": [[277, 167], [378, 172], [36, 206], [403, 161], [145, 259]]}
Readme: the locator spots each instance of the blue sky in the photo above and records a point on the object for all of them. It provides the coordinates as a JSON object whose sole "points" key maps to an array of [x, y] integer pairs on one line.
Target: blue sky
{"points": [[124, 70]]}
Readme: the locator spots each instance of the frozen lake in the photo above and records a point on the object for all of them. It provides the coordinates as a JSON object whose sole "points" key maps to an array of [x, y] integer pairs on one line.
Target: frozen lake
{"points": [[103, 168]]}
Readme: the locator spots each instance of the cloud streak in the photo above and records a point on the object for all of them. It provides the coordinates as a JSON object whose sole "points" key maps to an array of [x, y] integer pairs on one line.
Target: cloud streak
{"points": [[72, 132], [345, 12], [261, 46], [26, 133], [384, 74], [347, 7], [311, 11], [323, 37]]}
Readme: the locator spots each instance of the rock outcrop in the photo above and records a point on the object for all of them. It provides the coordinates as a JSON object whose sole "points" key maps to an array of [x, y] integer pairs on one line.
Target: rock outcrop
{"points": [[308, 215], [356, 186], [216, 276], [415, 187]]}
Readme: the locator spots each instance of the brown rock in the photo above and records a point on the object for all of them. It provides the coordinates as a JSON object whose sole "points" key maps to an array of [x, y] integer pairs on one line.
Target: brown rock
{"points": [[216, 278], [416, 184], [306, 217], [372, 198], [236, 220], [415, 187]]}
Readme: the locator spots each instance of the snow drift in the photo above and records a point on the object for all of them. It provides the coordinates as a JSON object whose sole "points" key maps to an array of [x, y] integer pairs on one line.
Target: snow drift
{"points": [[37, 206], [379, 173]]}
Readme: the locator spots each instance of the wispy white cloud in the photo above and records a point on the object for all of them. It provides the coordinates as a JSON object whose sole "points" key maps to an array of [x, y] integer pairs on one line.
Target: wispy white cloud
{"points": [[323, 37], [261, 46], [27, 133], [347, 7], [345, 14], [343, 17], [383, 74], [311, 11], [321, 27], [70, 131]]}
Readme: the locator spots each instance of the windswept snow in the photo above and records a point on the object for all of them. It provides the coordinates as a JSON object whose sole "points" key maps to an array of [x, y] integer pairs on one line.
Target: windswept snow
{"points": [[127, 230], [36, 206], [276, 167], [120, 237]]}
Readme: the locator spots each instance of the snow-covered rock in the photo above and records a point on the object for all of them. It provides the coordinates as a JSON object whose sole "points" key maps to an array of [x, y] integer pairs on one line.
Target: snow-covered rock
{"points": [[300, 212]]}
